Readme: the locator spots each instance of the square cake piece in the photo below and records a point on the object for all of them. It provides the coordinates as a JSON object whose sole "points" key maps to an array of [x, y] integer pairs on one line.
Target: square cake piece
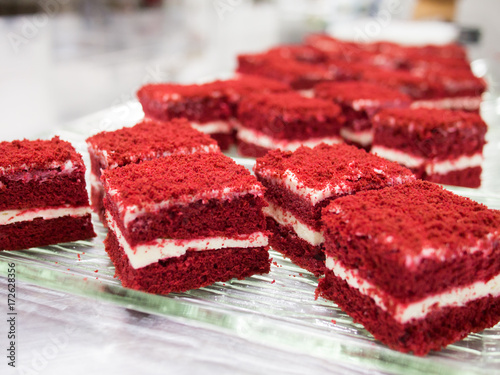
{"points": [[286, 121], [360, 101], [417, 265], [300, 75], [43, 199], [184, 222], [299, 184], [150, 139], [211, 107], [438, 145]]}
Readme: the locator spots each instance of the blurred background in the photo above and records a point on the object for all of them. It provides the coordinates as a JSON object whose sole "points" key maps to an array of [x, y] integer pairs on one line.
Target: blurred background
{"points": [[63, 59]]}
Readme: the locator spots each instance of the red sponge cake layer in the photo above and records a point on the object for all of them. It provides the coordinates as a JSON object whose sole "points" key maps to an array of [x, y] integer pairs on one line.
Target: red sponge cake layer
{"points": [[438, 145], [166, 212], [299, 184], [43, 199], [287, 121], [405, 259]]}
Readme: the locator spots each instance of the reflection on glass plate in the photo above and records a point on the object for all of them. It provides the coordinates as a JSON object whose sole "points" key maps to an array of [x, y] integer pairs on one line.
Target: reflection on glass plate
{"points": [[277, 309]]}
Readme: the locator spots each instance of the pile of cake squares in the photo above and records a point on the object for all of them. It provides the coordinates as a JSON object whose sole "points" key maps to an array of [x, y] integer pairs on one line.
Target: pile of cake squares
{"points": [[351, 140]]}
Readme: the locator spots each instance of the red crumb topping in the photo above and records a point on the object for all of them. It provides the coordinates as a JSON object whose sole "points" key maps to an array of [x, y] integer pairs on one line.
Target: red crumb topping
{"points": [[395, 79], [424, 119], [245, 84], [238, 86], [413, 218], [336, 165], [350, 91], [149, 139], [178, 177], [283, 69], [24, 155], [177, 92], [290, 104]]}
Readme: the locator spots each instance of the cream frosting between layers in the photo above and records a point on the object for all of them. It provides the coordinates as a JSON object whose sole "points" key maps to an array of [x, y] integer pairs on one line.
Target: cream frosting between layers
{"points": [[364, 138], [15, 216], [286, 218], [259, 139], [215, 127], [397, 156], [447, 166], [143, 255], [431, 166], [470, 103], [405, 312]]}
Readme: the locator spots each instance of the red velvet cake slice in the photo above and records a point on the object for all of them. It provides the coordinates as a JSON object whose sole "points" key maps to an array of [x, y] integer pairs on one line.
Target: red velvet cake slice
{"points": [[43, 199], [438, 145], [184, 222], [417, 265], [299, 184], [211, 107], [149, 139], [359, 102], [455, 89], [460, 89], [299, 75], [286, 121]]}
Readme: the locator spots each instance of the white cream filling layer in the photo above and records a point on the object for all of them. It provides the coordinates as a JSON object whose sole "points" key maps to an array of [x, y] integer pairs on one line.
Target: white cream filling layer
{"points": [[364, 138], [302, 230], [143, 255], [214, 127], [463, 162], [15, 216], [405, 312], [431, 166], [400, 157], [470, 103], [257, 138]]}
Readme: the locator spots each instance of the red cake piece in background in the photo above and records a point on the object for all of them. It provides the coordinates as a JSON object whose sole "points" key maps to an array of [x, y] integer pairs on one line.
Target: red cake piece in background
{"points": [[461, 89], [297, 74], [416, 265], [184, 222], [437, 145], [149, 139], [299, 184], [210, 107], [286, 121], [43, 199], [359, 101], [444, 89]]}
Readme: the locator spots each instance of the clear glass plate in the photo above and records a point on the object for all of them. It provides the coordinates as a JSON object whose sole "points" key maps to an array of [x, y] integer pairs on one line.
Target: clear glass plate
{"points": [[278, 309]]}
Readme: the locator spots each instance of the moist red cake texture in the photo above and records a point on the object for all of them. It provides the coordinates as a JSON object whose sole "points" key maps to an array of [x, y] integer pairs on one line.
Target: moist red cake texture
{"points": [[433, 135], [288, 117], [149, 139], [320, 175], [410, 242], [36, 175], [185, 197]]}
